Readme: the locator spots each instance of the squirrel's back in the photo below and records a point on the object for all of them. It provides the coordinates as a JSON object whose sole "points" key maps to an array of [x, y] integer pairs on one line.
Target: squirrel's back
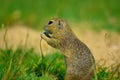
{"points": [[79, 60]]}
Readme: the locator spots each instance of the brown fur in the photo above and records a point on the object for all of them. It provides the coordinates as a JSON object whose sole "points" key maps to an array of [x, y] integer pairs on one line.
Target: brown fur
{"points": [[79, 60]]}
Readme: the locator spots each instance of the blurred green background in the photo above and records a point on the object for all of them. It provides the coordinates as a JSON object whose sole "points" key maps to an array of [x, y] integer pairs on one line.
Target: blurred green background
{"points": [[101, 14]]}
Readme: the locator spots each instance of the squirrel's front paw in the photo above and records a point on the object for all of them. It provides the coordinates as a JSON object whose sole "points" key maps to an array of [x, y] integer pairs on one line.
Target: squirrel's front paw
{"points": [[42, 35], [47, 34]]}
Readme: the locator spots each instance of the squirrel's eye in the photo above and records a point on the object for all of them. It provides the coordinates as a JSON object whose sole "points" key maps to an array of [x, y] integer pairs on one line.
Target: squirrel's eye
{"points": [[50, 22]]}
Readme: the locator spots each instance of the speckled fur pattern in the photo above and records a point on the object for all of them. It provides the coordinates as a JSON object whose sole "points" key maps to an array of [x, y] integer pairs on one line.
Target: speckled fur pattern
{"points": [[80, 63]]}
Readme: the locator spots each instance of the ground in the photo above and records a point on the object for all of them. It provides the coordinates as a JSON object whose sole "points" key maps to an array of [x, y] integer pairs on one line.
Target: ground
{"points": [[104, 45]]}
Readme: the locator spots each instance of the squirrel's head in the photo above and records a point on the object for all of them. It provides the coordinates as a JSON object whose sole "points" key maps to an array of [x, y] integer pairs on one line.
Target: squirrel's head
{"points": [[56, 28]]}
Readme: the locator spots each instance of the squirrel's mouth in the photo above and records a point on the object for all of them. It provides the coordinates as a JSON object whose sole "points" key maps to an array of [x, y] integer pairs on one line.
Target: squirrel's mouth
{"points": [[48, 33]]}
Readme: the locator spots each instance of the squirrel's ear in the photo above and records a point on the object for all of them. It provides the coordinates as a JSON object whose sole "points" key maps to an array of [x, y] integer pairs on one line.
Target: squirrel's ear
{"points": [[60, 24]]}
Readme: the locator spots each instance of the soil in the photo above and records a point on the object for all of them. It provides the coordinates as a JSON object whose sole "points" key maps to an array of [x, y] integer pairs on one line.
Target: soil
{"points": [[104, 45]]}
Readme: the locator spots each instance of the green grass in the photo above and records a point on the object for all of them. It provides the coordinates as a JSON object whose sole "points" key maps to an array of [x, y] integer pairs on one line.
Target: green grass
{"points": [[26, 64], [52, 64], [109, 73], [14, 64], [102, 14]]}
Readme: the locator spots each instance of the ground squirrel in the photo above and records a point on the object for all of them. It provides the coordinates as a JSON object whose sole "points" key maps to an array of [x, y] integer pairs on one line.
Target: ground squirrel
{"points": [[78, 58]]}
